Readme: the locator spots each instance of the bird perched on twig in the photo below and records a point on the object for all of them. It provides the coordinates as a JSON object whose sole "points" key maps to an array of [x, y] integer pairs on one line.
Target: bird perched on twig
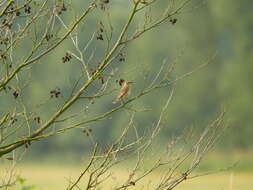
{"points": [[124, 90]]}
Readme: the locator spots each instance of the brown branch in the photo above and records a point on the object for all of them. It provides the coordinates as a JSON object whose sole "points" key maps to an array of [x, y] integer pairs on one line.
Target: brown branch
{"points": [[86, 169], [19, 68]]}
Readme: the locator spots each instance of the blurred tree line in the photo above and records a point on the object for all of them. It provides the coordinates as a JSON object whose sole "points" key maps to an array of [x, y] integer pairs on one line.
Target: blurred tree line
{"points": [[220, 27]]}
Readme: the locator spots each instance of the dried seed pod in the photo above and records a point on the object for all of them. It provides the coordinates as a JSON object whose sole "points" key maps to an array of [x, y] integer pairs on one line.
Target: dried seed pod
{"points": [[15, 94], [173, 21]]}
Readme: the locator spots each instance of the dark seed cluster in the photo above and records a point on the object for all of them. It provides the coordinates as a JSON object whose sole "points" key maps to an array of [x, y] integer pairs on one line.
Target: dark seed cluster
{"points": [[13, 120], [87, 132], [55, 93], [122, 57], [100, 31], [103, 3], [37, 119], [27, 9], [27, 143], [15, 94], [4, 40], [3, 55], [61, 8], [14, 91], [7, 23], [173, 21], [66, 58], [49, 37]]}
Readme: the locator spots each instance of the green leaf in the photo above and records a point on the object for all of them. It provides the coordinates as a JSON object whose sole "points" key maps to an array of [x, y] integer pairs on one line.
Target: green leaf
{"points": [[21, 180]]}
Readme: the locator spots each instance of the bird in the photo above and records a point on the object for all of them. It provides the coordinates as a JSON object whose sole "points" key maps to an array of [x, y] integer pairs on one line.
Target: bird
{"points": [[124, 90]]}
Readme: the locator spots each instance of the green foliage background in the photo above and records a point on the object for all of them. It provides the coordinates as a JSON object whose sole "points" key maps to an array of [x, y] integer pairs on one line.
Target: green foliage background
{"points": [[221, 26]]}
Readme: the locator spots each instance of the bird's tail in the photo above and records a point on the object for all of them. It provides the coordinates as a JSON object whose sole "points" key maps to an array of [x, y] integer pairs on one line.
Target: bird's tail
{"points": [[115, 101]]}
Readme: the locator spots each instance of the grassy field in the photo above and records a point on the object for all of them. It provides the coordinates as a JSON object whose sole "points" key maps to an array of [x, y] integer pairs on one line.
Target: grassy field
{"points": [[57, 178], [52, 174]]}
